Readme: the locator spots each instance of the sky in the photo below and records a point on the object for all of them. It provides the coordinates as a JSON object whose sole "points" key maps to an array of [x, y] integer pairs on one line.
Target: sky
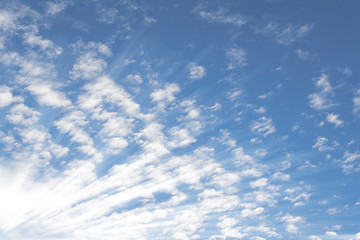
{"points": [[136, 119]]}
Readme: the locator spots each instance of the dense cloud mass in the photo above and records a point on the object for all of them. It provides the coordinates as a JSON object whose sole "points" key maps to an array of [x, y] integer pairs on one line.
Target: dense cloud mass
{"points": [[179, 120]]}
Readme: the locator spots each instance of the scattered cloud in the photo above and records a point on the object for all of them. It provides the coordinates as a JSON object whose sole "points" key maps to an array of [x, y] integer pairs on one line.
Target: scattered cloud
{"points": [[351, 162], [287, 35], [322, 144], [303, 55], [334, 119], [331, 234], [321, 100], [221, 16], [292, 223], [196, 71], [263, 126], [236, 57], [356, 101], [55, 8], [6, 97]]}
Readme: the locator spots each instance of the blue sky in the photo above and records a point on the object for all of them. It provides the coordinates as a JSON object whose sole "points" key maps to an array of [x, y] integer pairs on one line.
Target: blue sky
{"points": [[179, 120]]}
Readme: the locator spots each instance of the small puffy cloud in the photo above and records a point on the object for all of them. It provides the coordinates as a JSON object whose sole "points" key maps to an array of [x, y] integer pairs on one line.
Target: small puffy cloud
{"points": [[263, 126], [357, 236], [149, 20], [6, 97], [196, 71], [280, 176], [356, 101], [260, 110], [286, 35], [7, 20], [107, 15], [322, 144], [334, 119], [222, 16], [313, 237], [54, 8], [351, 162], [166, 94], [252, 212], [215, 107], [234, 94], [225, 139], [321, 99], [44, 44], [134, 78], [297, 196], [295, 127], [292, 223], [260, 183], [23, 115], [241, 158], [303, 55], [47, 95], [88, 66], [346, 71], [180, 137], [331, 234], [236, 57]]}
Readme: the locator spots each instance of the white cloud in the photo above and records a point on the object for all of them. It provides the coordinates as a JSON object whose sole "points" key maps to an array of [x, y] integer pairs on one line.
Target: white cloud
{"points": [[292, 223], [322, 144], [351, 162], [7, 20], [44, 44], [88, 66], [23, 115], [332, 211], [356, 101], [46, 95], [297, 196], [236, 57], [107, 15], [331, 234], [105, 90], [149, 20], [263, 126], [357, 236], [321, 99], [165, 95], [222, 16], [260, 183], [196, 71], [286, 35], [134, 78], [252, 212], [304, 55], [6, 97], [241, 158], [334, 119], [226, 139], [215, 107], [260, 110], [313, 237], [281, 176], [38, 77], [55, 8], [234, 94], [181, 137]]}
